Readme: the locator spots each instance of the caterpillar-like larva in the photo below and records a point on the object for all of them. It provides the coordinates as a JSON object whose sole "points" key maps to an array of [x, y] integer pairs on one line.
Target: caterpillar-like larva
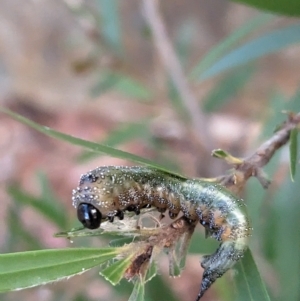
{"points": [[106, 192]]}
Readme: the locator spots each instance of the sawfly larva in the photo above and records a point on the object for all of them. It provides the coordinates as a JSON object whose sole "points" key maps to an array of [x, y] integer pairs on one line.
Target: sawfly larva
{"points": [[106, 192]]}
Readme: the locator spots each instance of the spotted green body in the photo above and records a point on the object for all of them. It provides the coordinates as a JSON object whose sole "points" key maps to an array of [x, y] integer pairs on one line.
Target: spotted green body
{"points": [[112, 190]]}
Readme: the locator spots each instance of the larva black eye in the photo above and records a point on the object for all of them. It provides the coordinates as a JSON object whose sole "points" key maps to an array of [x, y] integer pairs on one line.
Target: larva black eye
{"points": [[89, 216]]}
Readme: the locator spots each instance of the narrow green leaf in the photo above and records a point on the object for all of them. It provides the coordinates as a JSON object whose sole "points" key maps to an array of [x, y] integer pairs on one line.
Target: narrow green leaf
{"points": [[220, 153], [174, 266], [79, 232], [269, 43], [119, 242], [87, 144], [293, 152], [28, 269], [122, 134], [115, 272], [291, 8], [138, 292], [152, 271], [224, 46], [249, 284]]}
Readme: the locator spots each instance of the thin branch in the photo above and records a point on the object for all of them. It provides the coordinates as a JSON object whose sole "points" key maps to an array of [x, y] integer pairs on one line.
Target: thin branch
{"points": [[252, 165], [172, 65]]}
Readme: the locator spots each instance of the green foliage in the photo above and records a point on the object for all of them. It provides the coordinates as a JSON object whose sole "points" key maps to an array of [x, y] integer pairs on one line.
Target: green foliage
{"points": [[124, 133], [293, 152], [249, 284], [283, 7], [228, 44], [28, 269], [138, 292], [114, 273], [266, 44]]}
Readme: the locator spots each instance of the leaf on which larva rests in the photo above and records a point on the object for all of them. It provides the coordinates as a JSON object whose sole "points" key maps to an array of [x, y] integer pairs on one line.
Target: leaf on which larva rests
{"points": [[28, 269], [115, 272], [87, 144], [138, 291]]}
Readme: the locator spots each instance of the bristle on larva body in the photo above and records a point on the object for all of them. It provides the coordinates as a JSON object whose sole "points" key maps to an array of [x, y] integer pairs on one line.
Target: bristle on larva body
{"points": [[106, 192]]}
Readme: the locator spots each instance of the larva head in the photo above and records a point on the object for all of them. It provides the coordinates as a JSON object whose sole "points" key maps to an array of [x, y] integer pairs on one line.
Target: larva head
{"points": [[94, 198]]}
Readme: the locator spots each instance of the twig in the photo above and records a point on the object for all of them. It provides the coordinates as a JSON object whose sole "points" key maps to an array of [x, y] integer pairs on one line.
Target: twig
{"points": [[169, 59], [252, 165]]}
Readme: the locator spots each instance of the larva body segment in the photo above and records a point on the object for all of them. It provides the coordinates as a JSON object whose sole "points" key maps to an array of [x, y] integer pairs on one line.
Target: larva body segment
{"points": [[107, 192]]}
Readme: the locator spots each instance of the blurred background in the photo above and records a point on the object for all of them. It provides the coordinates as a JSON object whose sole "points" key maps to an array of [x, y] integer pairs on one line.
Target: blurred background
{"points": [[90, 68]]}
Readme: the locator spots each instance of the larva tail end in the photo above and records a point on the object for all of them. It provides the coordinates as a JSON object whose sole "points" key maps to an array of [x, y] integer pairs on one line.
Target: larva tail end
{"points": [[215, 265], [199, 296], [209, 277]]}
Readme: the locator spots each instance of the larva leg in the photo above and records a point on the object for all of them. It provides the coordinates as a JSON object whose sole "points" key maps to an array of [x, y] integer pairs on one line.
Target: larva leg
{"points": [[215, 265], [133, 208]]}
